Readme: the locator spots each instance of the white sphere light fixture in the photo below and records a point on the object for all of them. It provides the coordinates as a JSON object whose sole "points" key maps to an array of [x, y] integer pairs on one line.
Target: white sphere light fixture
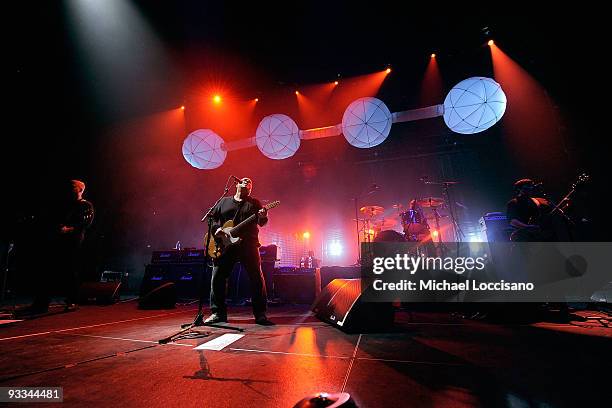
{"points": [[474, 105], [366, 122], [277, 136], [202, 149]]}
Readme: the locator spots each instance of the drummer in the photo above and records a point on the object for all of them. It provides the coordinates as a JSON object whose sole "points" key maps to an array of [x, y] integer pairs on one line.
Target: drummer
{"points": [[414, 222]]}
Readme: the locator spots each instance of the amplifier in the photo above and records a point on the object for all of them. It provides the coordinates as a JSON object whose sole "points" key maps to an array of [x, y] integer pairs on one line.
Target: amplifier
{"points": [[167, 256], [294, 270], [187, 278], [187, 255], [301, 287], [268, 253], [494, 227]]}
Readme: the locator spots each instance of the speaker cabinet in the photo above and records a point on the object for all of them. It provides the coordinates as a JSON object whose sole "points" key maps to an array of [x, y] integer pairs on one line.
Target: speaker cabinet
{"points": [[187, 278], [299, 287], [340, 305], [329, 273]]}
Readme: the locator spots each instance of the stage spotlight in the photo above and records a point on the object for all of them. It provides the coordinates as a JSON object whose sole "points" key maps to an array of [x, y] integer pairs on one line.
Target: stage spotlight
{"points": [[256, 99], [306, 235], [335, 82], [297, 93], [433, 55], [388, 70], [183, 107], [217, 99], [335, 248], [490, 43], [434, 234]]}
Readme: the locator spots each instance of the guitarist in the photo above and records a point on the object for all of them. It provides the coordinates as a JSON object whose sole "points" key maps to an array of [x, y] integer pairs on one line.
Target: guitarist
{"points": [[238, 208], [525, 210]]}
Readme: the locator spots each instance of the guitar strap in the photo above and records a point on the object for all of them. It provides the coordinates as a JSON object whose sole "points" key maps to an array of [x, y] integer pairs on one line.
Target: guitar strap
{"points": [[237, 212]]}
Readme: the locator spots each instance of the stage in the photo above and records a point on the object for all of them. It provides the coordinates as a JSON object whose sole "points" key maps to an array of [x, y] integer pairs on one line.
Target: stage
{"points": [[104, 355]]}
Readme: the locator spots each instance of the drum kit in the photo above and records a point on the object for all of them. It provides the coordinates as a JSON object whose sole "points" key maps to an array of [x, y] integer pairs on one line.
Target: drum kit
{"points": [[377, 225]]}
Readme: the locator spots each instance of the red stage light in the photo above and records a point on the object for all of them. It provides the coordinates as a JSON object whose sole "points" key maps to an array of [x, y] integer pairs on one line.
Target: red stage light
{"points": [[388, 70], [490, 43], [434, 234], [306, 235], [183, 107], [335, 82], [297, 93], [256, 99], [433, 55], [217, 99]]}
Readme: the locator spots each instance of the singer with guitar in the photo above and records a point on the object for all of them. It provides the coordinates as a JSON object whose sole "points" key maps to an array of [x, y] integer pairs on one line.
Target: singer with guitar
{"points": [[247, 214]]}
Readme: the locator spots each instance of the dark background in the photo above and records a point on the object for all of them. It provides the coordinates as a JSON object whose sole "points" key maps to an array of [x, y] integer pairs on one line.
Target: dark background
{"points": [[105, 112]]}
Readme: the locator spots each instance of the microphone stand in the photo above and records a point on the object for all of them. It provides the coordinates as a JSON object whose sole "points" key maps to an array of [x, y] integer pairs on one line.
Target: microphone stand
{"points": [[199, 319], [356, 200], [457, 232]]}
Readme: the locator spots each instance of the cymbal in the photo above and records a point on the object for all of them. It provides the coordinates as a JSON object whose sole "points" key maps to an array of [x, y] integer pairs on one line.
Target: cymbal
{"points": [[430, 202], [385, 223], [371, 210]]}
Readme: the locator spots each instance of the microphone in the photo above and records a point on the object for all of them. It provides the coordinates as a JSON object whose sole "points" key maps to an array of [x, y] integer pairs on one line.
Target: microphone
{"points": [[236, 179]]}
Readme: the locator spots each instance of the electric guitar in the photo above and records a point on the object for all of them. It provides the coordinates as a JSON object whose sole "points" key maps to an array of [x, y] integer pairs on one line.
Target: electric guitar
{"points": [[227, 236]]}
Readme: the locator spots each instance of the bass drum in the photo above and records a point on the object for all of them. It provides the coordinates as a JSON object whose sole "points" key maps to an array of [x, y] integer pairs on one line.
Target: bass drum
{"points": [[389, 236]]}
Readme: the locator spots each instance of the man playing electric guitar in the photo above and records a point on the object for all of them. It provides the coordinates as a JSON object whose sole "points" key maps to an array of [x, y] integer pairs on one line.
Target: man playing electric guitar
{"points": [[237, 209], [525, 212]]}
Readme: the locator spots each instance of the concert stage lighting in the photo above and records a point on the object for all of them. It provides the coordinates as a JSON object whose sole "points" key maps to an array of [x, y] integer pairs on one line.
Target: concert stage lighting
{"points": [[433, 55], [388, 70], [256, 99], [335, 248], [306, 235], [217, 99], [335, 82], [490, 43], [183, 107]]}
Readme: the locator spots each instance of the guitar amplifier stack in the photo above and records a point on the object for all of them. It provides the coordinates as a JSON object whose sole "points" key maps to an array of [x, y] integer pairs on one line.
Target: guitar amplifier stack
{"points": [[187, 255], [183, 269]]}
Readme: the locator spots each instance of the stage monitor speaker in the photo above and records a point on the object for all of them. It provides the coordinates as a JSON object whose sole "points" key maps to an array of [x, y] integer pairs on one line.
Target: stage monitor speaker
{"points": [[160, 297], [329, 273], [102, 293], [340, 305]]}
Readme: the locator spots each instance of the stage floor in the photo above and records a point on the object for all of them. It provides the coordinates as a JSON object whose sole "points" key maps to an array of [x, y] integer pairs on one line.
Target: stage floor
{"points": [[109, 355]]}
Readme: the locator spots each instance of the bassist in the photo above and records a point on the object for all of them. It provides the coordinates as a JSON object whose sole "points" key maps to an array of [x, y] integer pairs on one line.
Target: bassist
{"points": [[237, 209]]}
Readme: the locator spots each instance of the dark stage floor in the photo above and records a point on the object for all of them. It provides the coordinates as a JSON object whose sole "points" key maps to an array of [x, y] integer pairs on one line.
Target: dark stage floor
{"points": [[105, 356]]}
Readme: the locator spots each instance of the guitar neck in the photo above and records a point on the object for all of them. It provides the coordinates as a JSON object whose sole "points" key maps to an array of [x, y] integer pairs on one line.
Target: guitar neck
{"points": [[249, 220]]}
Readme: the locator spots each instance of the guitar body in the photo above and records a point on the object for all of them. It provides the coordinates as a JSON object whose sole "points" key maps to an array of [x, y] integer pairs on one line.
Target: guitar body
{"points": [[219, 244], [227, 236]]}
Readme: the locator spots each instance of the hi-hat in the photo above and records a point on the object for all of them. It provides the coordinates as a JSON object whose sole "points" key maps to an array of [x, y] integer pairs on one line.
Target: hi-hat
{"points": [[371, 210]]}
